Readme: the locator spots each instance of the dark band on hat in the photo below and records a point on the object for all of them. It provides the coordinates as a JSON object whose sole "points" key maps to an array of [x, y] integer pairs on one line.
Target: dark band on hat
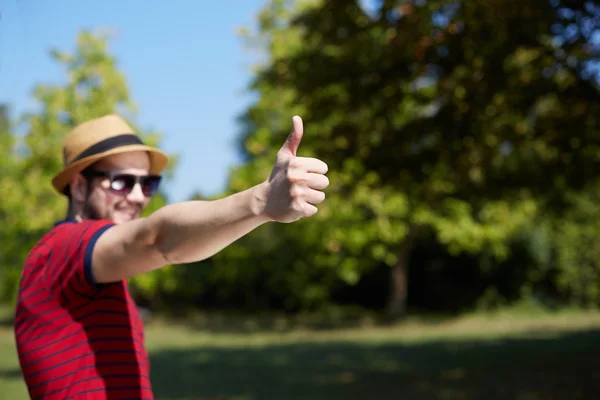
{"points": [[108, 144]]}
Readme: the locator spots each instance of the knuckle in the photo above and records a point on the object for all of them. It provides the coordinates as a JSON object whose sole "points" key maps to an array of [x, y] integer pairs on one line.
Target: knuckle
{"points": [[296, 191], [292, 175], [298, 206], [294, 163]]}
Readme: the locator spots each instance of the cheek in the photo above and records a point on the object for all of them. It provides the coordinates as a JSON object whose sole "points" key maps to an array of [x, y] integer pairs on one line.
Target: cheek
{"points": [[103, 199]]}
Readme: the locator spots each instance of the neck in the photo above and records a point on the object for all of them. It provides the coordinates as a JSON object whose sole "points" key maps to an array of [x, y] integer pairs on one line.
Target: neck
{"points": [[77, 217], [74, 213]]}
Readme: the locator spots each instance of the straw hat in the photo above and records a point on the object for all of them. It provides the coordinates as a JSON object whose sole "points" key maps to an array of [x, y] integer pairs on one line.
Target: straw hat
{"points": [[99, 138]]}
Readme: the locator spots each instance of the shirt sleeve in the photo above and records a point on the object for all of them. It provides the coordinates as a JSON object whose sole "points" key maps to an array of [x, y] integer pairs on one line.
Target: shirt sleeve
{"points": [[69, 266]]}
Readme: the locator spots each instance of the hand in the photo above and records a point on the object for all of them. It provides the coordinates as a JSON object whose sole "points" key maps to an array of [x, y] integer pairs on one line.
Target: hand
{"points": [[296, 184]]}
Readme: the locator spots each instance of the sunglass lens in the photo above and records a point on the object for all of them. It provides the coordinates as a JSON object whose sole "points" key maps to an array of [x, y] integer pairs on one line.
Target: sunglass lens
{"points": [[150, 185], [122, 184]]}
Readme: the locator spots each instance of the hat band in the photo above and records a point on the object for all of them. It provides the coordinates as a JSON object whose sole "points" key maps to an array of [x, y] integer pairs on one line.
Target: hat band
{"points": [[108, 144]]}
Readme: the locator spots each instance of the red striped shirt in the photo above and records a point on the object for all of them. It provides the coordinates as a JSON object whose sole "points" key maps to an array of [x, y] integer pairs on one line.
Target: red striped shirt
{"points": [[77, 339]]}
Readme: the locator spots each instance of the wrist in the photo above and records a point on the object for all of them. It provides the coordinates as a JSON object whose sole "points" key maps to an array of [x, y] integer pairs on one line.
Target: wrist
{"points": [[258, 201]]}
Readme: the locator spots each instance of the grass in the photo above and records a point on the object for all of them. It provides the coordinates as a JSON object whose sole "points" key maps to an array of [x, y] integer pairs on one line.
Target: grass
{"points": [[501, 356]]}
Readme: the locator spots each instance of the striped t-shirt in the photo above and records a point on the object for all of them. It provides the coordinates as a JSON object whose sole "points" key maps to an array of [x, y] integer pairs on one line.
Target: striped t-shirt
{"points": [[77, 339]]}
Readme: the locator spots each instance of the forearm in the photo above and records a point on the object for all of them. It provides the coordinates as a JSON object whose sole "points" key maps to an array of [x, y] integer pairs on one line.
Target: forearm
{"points": [[196, 230]]}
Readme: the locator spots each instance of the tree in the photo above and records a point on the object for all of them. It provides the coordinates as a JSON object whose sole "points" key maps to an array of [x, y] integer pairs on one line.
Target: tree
{"points": [[31, 153], [459, 118], [576, 249]]}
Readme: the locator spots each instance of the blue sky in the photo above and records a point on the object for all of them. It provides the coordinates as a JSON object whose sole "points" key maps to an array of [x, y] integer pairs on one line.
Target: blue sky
{"points": [[186, 68]]}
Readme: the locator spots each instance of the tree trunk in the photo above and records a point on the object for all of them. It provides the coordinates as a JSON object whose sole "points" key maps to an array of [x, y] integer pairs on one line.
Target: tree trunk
{"points": [[396, 307]]}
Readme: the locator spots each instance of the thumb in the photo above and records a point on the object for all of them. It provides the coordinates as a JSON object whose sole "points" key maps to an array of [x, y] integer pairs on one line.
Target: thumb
{"points": [[294, 138]]}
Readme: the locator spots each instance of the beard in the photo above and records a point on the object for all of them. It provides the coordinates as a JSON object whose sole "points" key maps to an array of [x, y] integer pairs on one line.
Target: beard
{"points": [[92, 212]]}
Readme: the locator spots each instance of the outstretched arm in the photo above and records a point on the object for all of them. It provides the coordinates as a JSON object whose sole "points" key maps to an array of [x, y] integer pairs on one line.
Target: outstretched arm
{"points": [[195, 230]]}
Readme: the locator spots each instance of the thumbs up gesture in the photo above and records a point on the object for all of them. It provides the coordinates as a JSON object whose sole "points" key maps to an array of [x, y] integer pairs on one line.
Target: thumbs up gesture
{"points": [[296, 184]]}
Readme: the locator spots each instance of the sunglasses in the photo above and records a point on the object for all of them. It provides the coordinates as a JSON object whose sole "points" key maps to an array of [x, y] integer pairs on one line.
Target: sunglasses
{"points": [[123, 184]]}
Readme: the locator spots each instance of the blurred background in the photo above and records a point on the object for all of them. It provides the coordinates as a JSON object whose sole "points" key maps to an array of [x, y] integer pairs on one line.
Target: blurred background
{"points": [[458, 253]]}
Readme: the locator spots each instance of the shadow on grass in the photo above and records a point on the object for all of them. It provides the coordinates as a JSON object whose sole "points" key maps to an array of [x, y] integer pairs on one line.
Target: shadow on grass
{"points": [[6, 323], [6, 317], [562, 367], [10, 374]]}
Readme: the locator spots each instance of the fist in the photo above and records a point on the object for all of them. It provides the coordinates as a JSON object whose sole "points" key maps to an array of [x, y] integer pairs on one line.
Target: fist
{"points": [[296, 184]]}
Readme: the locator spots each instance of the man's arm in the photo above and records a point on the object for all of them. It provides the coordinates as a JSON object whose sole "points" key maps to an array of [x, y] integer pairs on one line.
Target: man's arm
{"points": [[177, 233], [195, 230]]}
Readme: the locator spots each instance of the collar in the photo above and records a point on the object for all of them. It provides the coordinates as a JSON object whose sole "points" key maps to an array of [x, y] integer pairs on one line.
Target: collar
{"points": [[66, 221]]}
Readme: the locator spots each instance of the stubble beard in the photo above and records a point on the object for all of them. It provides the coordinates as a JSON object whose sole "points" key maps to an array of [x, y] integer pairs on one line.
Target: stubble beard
{"points": [[91, 212]]}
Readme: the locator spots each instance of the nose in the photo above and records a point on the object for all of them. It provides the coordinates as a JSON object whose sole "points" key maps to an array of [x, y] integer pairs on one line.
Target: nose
{"points": [[136, 195]]}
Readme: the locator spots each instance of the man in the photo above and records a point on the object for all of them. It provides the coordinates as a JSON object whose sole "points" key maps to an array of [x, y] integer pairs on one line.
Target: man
{"points": [[78, 332]]}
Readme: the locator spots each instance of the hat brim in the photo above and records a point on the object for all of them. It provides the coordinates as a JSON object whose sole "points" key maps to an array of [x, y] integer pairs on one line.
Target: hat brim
{"points": [[158, 162]]}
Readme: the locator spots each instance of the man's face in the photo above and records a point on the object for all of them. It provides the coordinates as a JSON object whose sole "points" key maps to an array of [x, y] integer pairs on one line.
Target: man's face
{"points": [[104, 203]]}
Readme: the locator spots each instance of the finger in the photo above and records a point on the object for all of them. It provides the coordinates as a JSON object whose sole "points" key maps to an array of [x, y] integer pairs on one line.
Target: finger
{"points": [[311, 165], [317, 181], [309, 209], [294, 138], [312, 196]]}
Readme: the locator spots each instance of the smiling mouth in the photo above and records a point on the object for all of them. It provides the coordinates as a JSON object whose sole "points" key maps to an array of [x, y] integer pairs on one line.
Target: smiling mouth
{"points": [[131, 214]]}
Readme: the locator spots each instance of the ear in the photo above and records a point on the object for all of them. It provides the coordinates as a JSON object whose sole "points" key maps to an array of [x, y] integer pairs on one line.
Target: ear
{"points": [[79, 188]]}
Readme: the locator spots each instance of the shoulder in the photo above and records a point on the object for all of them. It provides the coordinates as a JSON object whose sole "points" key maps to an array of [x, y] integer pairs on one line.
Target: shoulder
{"points": [[76, 237], [71, 249], [65, 231], [86, 223], [85, 228]]}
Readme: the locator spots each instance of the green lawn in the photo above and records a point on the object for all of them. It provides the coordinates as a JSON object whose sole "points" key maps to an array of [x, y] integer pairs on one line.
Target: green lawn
{"points": [[501, 357]]}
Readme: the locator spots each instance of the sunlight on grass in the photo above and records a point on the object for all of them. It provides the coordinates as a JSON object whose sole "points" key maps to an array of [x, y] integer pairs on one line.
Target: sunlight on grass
{"points": [[476, 326]]}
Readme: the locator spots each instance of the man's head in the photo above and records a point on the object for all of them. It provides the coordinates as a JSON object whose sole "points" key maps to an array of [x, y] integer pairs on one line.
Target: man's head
{"points": [[109, 173], [116, 188]]}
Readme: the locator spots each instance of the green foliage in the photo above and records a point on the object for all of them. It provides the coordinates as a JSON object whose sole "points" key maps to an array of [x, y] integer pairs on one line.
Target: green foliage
{"points": [[433, 116], [468, 125], [31, 152], [578, 250]]}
